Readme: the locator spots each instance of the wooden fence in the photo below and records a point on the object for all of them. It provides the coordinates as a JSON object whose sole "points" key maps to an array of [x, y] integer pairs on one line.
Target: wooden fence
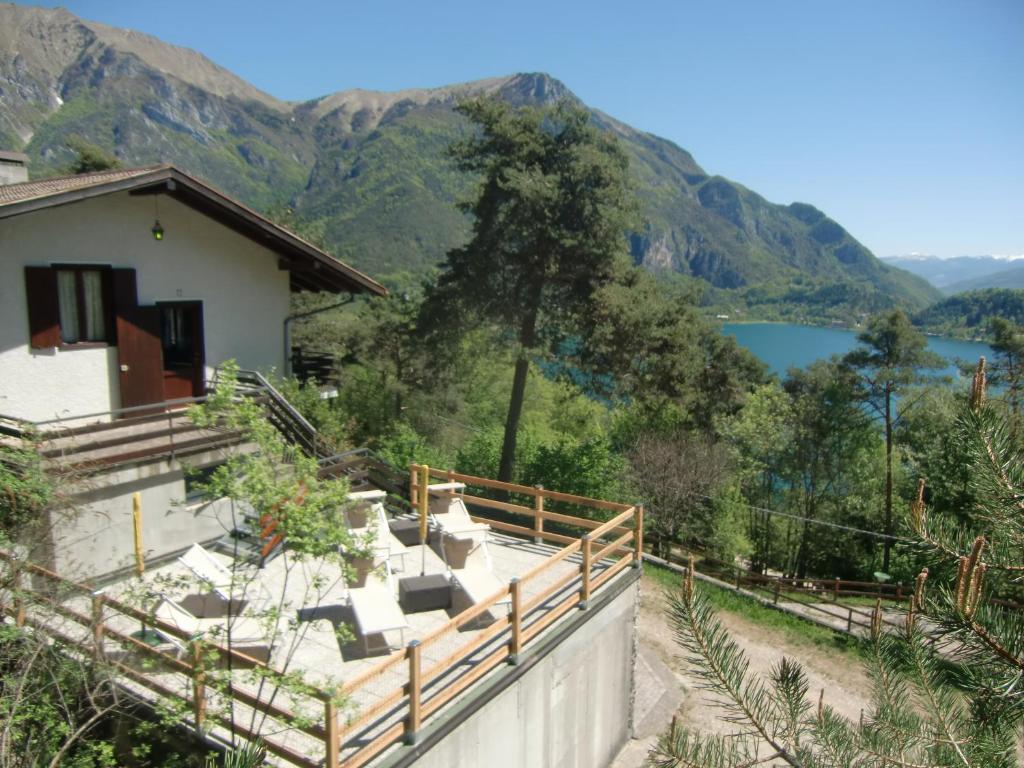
{"points": [[408, 686]]}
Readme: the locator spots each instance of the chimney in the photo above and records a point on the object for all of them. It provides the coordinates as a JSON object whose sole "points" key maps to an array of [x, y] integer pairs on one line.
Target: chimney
{"points": [[13, 167]]}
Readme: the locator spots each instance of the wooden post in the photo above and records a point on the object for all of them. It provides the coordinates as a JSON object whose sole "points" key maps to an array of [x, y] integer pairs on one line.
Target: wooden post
{"points": [[835, 590], [332, 735], [899, 591], [140, 560], [19, 598], [849, 620], [638, 535], [97, 624], [412, 725], [516, 645], [585, 572], [777, 586], [737, 578], [198, 684], [538, 521]]}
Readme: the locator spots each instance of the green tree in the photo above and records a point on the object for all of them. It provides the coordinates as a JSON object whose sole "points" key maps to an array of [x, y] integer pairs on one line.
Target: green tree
{"points": [[549, 225], [891, 357], [647, 345], [945, 681], [1008, 366], [89, 157]]}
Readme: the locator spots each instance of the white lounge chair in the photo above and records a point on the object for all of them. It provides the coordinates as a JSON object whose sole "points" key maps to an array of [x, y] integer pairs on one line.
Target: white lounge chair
{"points": [[247, 635], [215, 574], [377, 613], [369, 515], [474, 585], [451, 518], [208, 569]]}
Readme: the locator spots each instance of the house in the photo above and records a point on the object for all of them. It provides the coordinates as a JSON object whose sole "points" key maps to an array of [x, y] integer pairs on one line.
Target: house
{"points": [[122, 290], [127, 287]]}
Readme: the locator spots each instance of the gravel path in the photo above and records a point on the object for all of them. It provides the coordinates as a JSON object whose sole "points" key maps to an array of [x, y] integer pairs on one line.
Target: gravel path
{"points": [[847, 688]]}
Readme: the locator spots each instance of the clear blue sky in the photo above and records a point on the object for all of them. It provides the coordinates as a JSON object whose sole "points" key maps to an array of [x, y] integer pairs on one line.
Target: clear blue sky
{"points": [[902, 119]]}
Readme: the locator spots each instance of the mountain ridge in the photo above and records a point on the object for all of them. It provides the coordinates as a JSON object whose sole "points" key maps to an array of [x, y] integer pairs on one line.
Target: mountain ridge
{"points": [[368, 169]]}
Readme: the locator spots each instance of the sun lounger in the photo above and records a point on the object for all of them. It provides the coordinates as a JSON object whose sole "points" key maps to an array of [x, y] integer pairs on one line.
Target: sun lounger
{"points": [[212, 572], [450, 516], [377, 613], [474, 585], [247, 635], [208, 569], [373, 517]]}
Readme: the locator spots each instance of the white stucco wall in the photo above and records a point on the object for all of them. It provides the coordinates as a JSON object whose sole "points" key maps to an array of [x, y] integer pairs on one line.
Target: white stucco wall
{"points": [[245, 296], [96, 535]]}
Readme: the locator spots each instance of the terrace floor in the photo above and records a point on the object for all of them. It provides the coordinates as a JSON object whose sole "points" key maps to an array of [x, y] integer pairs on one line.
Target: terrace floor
{"points": [[308, 603]]}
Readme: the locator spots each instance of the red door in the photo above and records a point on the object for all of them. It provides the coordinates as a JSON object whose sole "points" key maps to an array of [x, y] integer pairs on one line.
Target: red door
{"points": [[181, 334], [139, 355]]}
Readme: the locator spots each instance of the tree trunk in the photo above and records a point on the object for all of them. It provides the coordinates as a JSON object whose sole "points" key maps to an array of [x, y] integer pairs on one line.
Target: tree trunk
{"points": [[515, 410], [888, 477], [527, 337]]}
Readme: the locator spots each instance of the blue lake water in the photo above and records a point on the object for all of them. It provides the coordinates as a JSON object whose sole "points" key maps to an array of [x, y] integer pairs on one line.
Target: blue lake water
{"points": [[783, 346]]}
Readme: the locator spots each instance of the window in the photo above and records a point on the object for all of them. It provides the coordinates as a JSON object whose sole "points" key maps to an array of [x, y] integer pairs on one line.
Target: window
{"points": [[69, 305], [82, 308]]}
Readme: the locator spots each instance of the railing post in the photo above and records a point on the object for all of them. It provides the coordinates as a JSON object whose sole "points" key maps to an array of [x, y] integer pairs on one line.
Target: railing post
{"points": [[835, 590], [638, 536], [849, 620], [899, 591], [97, 624], [538, 521], [585, 572], [332, 735], [776, 598], [412, 726], [516, 588], [198, 684]]}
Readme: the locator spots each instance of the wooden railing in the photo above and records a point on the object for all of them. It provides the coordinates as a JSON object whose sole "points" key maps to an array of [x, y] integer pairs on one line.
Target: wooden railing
{"points": [[392, 700], [98, 634]]}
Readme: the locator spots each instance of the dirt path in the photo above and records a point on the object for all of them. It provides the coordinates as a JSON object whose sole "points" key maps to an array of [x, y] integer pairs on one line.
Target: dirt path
{"points": [[846, 686]]}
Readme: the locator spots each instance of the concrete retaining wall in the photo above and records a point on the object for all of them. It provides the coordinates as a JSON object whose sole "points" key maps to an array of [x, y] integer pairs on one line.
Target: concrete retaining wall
{"points": [[567, 705]]}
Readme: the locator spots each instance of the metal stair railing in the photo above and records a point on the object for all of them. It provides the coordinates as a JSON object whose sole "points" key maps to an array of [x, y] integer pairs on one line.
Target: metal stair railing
{"points": [[282, 414]]}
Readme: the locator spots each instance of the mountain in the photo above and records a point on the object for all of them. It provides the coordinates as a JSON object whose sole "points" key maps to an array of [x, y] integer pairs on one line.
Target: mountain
{"points": [[963, 273], [1010, 277], [368, 173]]}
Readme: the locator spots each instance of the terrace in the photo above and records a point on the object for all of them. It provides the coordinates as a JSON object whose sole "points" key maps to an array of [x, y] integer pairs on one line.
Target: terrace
{"points": [[552, 554]]}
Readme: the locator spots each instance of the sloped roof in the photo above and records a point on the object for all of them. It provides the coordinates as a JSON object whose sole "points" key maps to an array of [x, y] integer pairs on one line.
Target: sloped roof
{"points": [[311, 268]]}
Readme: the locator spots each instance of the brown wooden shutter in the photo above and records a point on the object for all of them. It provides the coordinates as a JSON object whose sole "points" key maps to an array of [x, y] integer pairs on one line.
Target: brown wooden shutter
{"points": [[43, 309]]}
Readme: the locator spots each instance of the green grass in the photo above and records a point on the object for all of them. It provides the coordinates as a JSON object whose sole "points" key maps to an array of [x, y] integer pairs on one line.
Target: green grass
{"points": [[796, 630]]}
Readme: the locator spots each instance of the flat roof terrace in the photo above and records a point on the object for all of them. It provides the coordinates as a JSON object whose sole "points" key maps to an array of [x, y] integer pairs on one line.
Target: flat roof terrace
{"points": [[317, 694]]}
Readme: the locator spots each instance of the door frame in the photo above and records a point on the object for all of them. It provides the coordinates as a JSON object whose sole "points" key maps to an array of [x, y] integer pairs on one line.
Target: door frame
{"points": [[199, 332]]}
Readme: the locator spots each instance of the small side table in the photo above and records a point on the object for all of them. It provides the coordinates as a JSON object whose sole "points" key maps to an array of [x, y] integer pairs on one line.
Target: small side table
{"points": [[407, 531], [424, 593]]}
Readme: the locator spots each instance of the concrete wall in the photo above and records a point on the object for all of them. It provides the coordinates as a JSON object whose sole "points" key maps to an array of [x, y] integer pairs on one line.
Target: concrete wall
{"points": [[95, 535], [245, 296], [571, 709]]}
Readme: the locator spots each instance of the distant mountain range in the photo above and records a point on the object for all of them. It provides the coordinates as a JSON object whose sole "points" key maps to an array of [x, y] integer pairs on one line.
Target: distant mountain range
{"points": [[964, 273], [368, 170]]}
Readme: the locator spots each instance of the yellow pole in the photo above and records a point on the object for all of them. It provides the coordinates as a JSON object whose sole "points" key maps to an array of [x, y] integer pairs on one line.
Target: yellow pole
{"points": [[424, 501], [140, 562]]}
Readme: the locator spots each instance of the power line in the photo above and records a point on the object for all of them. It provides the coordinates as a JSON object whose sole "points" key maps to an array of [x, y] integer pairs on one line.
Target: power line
{"points": [[812, 521]]}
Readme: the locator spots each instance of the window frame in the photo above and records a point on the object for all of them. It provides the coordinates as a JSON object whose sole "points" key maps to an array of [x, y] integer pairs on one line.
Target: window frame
{"points": [[107, 296]]}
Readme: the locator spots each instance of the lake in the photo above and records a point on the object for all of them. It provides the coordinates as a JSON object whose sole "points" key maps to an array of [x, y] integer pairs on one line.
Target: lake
{"points": [[783, 345]]}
